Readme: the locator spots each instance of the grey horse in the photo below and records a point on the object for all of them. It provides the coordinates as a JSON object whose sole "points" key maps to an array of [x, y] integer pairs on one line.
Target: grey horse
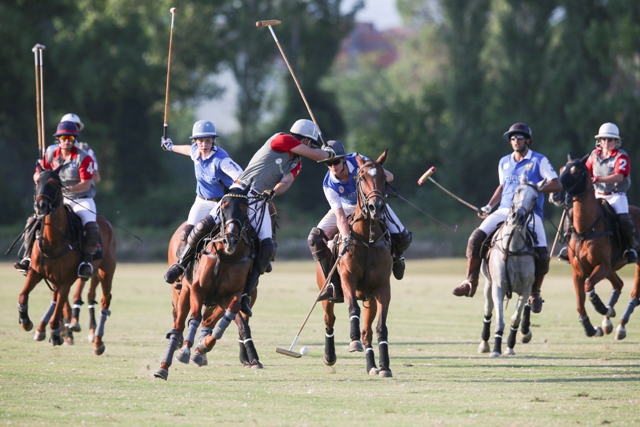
{"points": [[509, 268]]}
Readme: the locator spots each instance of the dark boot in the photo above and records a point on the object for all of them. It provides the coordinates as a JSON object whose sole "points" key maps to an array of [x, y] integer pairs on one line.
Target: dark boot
{"points": [[400, 242], [542, 268], [317, 242], [468, 287], [563, 255], [201, 229], [184, 236], [266, 253], [28, 237], [91, 238], [629, 234]]}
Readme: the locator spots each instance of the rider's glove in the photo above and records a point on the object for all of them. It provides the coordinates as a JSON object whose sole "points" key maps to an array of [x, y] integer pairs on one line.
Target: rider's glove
{"points": [[594, 179], [484, 211], [166, 144], [329, 150], [348, 242], [268, 195]]}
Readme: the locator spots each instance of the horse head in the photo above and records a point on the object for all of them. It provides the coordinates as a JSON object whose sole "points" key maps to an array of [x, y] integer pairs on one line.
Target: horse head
{"points": [[524, 200], [371, 181], [575, 178], [48, 193], [234, 220]]}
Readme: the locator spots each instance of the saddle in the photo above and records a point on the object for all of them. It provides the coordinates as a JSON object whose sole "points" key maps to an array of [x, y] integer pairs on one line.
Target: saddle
{"points": [[488, 244]]}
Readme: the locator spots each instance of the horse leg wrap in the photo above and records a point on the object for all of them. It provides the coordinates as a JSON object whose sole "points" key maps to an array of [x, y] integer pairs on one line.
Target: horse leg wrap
{"points": [[252, 353], [104, 313], [486, 328], [633, 303], [511, 341], [383, 348], [56, 339], [497, 346], [47, 314], [526, 320], [589, 330], [597, 303], [204, 332], [354, 328], [191, 331], [173, 336], [613, 299], [76, 309], [330, 347], [244, 357], [223, 324], [23, 312], [371, 358], [92, 315]]}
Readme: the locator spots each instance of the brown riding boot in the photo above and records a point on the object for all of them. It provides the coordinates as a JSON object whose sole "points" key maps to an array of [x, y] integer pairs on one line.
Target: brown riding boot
{"points": [[629, 235], [563, 255], [468, 287], [317, 242], [542, 268], [400, 242]]}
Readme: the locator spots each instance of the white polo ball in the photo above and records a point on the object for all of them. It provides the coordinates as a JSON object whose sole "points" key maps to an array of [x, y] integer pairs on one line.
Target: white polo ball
{"points": [[304, 351]]}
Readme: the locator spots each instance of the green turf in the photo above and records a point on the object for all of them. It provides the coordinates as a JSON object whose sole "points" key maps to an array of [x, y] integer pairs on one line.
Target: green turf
{"points": [[560, 378]]}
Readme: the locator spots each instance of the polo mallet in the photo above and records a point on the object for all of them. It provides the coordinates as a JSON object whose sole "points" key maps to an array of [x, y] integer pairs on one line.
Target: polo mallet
{"points": [[37, 53], [564, 212], [166, 96], [269, 23], [293, 353], [427, 175]]}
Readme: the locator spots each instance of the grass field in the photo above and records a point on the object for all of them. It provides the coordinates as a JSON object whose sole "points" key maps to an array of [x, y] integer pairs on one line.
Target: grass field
{"points": [[560, 378]]}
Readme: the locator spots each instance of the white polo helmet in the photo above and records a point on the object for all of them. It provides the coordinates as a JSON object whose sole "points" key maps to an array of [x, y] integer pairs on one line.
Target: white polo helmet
{"points": [[608, 130], [305, 128], [70, 117], [203, 129]]}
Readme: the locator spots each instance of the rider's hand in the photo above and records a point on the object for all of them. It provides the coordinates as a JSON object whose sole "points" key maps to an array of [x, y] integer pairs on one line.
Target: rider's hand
{"points": [[348, 242], [166, 144], [329, 150], [484, 211], [594, 179], [268, 195]]}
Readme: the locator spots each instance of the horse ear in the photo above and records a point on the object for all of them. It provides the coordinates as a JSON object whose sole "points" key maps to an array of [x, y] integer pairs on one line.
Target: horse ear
{"points": [[584, 159], [569, 157], [39, 167], [382, 157], [359, 160]]}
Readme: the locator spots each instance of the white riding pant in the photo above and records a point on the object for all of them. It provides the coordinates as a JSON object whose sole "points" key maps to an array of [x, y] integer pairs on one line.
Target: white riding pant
{"points": [[329, 223], [492, 221], [84, 208], [618, 201], [200, 209]]}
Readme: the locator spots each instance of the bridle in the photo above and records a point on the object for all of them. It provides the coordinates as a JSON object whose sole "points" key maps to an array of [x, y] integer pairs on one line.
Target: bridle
{"points": [[52, 203], [363, 199], [574, 191], [237, 231]]}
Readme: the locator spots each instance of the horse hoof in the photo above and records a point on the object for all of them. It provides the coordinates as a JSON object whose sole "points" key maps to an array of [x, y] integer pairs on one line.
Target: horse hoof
{"points": [[374, 372], [607, 326], [27, 326], [329, 361], [509, 352], [355, 346], [199, 359], [385, 373], [92, 336], [161, 373], [621, 333], [39, 336], [599, 332], [56, 340], [483, 347], [611, 312], [255, 364], [75, 326], [495, 354], [525, 338], [99, 350], [68, 340], [183, 355]]}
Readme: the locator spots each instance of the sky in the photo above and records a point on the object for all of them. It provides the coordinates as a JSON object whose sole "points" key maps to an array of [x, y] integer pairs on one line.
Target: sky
{"points": [[382, 13]]}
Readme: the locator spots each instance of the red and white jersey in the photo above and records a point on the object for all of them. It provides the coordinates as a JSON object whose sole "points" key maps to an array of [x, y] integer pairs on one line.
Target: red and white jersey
{"points": [[79, 166], [617, 162]]}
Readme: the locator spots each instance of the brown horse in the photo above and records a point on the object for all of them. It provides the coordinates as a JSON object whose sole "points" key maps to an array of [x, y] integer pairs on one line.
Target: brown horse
{"points": [[594, 252], [218, 282], [55, 257], [365, 271]]}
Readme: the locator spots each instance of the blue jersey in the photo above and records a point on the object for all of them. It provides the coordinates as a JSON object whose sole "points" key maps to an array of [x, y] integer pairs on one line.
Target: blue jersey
{"points": [[341, 193], [214, 172], [534, 167]]}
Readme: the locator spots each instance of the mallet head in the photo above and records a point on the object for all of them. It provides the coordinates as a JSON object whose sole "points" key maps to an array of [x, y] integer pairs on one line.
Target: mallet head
{"points": [[267, 23], [173, 10], [426, 175]]}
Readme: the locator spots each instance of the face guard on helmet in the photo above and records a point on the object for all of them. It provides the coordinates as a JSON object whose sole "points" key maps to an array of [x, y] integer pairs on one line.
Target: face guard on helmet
{"points": [[70, 117], [608, 130], [204, 129], [66, 128], [307, 129], [338, 148], [518, 128]]}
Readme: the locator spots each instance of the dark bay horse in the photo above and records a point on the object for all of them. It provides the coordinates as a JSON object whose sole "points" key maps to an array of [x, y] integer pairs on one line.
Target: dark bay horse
{"points": [[593, 251], [55, 257], [365, 272], [218, 282]]}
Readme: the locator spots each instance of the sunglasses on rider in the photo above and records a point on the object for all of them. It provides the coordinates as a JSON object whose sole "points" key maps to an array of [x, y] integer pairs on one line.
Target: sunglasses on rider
{"points": [[333, 162], [67, 138], [608, 139], [514, 137]]}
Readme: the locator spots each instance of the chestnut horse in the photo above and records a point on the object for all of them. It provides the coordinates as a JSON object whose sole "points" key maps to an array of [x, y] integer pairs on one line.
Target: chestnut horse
{"points": [[218, 282], [365, 271], [593, 252], [55, 257]]}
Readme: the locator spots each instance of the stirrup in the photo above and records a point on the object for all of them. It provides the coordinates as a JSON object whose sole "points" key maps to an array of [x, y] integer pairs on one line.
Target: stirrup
{"points": [[85, 270], [631, 256], [563, 255], [466, 289], [23, 266], [172, 274]]}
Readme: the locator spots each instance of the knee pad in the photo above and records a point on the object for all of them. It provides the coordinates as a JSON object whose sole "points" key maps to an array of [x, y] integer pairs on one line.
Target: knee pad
{"points": [[317, 242], [402, 241], [542, 260]]}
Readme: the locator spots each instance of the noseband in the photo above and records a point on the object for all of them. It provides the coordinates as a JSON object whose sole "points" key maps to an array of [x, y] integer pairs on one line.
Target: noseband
{"points": [[575, 191], [242, 223], [53, 203], [364, 198]]}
